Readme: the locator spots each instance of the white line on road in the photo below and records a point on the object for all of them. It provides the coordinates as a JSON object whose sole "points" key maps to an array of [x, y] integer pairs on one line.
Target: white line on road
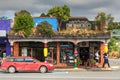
{"points": [[67, 77]]}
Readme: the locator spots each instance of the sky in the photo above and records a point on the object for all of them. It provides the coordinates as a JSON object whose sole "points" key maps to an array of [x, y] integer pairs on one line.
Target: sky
{"points": [[87, 8]]}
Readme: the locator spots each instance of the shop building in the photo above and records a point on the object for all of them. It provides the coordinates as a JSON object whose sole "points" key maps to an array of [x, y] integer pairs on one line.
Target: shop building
{"points": [[62, 48], [4, 42]]}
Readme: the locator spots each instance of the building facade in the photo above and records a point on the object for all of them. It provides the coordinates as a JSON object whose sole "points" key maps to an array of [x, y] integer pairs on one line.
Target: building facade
{"points": [[4, 42], [62, 48]]}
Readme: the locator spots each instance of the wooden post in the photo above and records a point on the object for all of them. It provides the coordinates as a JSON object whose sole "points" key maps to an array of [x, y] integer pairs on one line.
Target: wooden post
{"points": [[16, 49], [58, 53]]}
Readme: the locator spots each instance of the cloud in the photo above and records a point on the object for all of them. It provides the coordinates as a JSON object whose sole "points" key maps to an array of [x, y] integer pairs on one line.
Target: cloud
{"points": [[88, 8]]}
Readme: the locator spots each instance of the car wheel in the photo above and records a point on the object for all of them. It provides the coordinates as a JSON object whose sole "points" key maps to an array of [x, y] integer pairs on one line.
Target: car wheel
{"points": [[11, 69], [43, 69]]}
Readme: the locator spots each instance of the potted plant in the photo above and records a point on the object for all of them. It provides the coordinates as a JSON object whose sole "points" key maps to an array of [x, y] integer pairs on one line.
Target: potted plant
{"points": [[79, 62], [91, 62]]}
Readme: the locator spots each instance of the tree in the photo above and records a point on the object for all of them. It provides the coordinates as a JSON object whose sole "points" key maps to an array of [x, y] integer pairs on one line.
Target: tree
{"points": [[112, 44], [44, 15], [44, 28], [62, 13], [22, 12], [114, 25], [23, 23], [103, 20]]}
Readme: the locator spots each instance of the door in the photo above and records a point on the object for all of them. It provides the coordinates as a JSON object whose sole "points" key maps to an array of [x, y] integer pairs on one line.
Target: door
{"points": [[19, 64], [84, 53], [30, 65]]}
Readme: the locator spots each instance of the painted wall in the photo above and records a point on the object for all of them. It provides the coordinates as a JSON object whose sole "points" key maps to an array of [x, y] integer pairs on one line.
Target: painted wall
{"points": [[5, 25], [52, 21]]}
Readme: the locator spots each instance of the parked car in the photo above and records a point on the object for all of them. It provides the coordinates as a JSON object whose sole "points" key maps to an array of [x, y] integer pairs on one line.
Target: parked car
{"points": [[14, 64]]}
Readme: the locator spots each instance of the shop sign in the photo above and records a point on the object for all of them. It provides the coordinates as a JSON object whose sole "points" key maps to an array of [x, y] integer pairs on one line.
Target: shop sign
{"points": [[2, 33]]}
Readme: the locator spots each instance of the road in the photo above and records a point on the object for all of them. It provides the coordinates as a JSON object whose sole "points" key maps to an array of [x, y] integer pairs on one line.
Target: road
{"points": [[81, 75]]}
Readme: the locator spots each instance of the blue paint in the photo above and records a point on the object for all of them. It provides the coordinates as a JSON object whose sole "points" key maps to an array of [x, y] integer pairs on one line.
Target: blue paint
{"points": [[5, 25], [52, 21], [8, 51]]}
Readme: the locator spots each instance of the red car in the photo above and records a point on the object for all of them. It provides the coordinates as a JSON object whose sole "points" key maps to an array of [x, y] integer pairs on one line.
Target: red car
{"points": [[13, 64]]}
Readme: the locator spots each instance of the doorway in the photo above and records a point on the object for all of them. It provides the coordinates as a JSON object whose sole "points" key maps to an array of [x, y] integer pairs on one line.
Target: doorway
{"points": [[84, 53]]}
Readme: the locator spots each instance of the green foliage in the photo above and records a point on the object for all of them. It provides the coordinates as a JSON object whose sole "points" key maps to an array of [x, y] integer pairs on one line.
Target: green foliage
{"points": [[114, 25], [79, 61], [44, 15], [62, 13], [112, 45], [44, 28], [22, 12], [23, 22], [91, 61], [103, 20]]}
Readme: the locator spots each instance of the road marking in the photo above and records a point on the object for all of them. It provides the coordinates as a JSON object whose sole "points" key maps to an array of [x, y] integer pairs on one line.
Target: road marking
{"points": [[41, 77], [58, 73]]}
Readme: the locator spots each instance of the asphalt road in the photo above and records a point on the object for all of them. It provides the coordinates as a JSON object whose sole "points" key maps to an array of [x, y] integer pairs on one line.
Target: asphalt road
{"points": [[81, 75]]}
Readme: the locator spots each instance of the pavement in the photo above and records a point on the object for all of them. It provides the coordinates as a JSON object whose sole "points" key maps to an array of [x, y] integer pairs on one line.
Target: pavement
{"points": [[114, 65], [89, 69]]}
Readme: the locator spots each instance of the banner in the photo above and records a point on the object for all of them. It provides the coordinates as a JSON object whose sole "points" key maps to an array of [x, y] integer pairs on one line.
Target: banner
{"points": [[45, 52]]}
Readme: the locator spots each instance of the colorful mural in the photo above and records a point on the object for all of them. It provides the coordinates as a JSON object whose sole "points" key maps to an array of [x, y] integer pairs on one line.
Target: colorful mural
{"points": [[52, 21]]}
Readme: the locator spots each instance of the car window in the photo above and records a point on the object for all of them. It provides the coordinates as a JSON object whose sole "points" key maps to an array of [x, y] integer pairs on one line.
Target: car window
{"points": [[36, 60], [19, 60], [28, 60], [10, 59]]}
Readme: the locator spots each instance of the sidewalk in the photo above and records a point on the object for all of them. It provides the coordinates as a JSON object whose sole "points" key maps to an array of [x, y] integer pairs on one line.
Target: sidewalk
{"points": [[89, 69]]}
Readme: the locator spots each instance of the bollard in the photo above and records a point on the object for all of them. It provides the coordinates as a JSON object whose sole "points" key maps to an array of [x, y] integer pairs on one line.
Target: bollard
{"points": [[75, 63]]}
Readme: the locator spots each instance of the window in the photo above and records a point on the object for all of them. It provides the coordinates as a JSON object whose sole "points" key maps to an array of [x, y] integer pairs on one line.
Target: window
{"points": [[19, 59], [28, 60], [10, 60]]}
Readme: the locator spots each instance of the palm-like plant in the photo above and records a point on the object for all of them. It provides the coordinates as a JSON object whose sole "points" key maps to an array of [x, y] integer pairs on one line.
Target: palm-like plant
{"points": [[103, 20]]}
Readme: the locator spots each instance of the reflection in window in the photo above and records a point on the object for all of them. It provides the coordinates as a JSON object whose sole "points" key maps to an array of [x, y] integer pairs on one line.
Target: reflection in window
{"points": [[28, 60], [19, 59], [10, 60]]}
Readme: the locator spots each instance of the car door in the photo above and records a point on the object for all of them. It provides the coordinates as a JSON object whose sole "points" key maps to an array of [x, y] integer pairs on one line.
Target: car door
{"points": [[30, 65], [19, 64]]}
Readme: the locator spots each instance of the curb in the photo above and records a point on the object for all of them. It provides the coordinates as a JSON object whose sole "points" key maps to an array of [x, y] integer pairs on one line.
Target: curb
{"points": [[89, 69], [71, 69]]}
